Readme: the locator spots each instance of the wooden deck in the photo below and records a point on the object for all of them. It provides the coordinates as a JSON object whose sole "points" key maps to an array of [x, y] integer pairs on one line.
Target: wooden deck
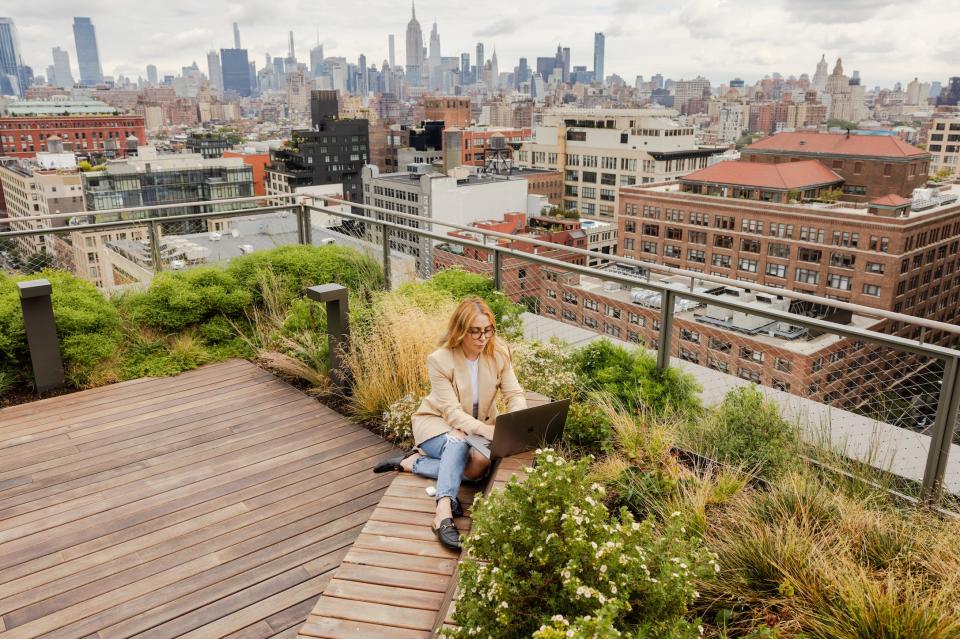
{"points": [[217, 503]]}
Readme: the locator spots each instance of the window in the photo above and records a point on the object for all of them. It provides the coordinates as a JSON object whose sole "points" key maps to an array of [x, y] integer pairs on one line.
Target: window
{"points": [[613, 311], [723, 241], [805, 254], [782, 365], [611, 329], [629, 244], [651, 229], [781, 385], [842, 282], [811, 234], [875, 267], [674, 233], [590, 322], [569, 298], [775, 249], [746, 373], [777, 270], [749, 353], [807, 276], [717, 364], [697, 237], [725, 222], [637, 319], [590, 304], [719, 345], [751, 226], [750, 266], [696, 256], [590, 176], [721, 260], [690, 336], [688, 355], [648, 247], [887, 169], [871, 289], [569, 315], [842, 260], [671, 250]]}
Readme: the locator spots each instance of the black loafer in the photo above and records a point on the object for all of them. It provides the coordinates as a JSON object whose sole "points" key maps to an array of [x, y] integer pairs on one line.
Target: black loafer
{"points": [[448, 534], [457, 510], [392, 463]]}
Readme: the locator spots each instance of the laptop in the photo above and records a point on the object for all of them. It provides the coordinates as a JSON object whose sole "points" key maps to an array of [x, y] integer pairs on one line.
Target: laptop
{"points": [[524, 430]]}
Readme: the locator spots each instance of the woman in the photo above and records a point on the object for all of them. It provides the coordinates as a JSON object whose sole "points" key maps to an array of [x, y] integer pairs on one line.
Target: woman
{"points": [[465, 374]]}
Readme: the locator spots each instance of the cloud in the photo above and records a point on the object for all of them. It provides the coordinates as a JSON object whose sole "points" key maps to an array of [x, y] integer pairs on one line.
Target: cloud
{"points": [[834, 12], [503, 26]]}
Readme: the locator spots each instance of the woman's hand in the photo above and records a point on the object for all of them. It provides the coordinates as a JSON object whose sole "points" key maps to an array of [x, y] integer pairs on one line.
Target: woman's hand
{"points": [[485, 431], [459, 434]]}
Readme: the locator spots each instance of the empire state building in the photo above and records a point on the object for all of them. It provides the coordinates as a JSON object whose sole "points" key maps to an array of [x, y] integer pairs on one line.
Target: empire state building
{"points": [[414, 50]]}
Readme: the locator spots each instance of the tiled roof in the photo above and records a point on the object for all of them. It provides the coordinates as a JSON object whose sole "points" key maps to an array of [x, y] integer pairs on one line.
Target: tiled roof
{"points": [[838, 144], [782, 176], [891, 200]]}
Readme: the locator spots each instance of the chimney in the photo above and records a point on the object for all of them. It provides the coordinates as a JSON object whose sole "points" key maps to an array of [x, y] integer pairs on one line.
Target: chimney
{"points": [[452, 149]]}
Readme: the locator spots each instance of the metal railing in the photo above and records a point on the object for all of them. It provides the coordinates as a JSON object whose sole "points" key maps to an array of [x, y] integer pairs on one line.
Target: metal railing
{"points": [[942, 363]]}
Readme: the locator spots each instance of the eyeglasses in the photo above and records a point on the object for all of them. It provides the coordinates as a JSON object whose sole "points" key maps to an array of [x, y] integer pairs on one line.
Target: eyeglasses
{"points": [[484, 332]]}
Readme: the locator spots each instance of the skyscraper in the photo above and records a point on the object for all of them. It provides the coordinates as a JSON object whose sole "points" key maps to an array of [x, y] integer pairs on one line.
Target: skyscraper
{"points": [[820, 77], [599, 43], [362, 87], [88, 56], [316, 60], [61, 68], [291, 52], [414, 49], [213, 70], [152, 76], [12, 72], [436, 72], [235, 68], [480, 59], [236, 36], [391, 47]]}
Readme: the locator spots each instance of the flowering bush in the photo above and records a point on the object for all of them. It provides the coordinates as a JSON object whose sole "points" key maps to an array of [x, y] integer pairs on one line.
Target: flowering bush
{"points": [[545, 368], [397, 421], [546, 556]]}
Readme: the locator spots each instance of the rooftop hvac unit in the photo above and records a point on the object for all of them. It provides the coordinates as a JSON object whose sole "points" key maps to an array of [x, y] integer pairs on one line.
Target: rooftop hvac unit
{"points": [[235, 232], [327, 240], [611, 286], [246, 249], [215, 237], [718, 313], [177, 265]]}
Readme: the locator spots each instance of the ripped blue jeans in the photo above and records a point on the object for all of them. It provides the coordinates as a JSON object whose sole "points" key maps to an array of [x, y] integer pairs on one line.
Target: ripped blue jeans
{"points": [[444, 459]]}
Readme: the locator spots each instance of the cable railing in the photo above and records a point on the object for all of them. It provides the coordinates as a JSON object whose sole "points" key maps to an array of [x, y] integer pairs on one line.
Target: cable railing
{"points": [[903, 392]]}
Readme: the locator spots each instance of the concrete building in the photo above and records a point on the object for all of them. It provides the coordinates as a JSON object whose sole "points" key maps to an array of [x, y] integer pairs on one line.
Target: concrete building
{"points": [[63, 76], [235, 69], [463, 197], [452, 111], [82, 126], [214, 72], [943, 143], [844, 96], [601, 150]]}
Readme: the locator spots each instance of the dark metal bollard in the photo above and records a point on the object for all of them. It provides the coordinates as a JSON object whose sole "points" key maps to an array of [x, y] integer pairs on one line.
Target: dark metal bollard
{"points": [[338, 328], [41, 334]]}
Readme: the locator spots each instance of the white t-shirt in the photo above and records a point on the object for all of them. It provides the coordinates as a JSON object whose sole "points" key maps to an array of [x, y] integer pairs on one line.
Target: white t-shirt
{"points": [[475, 383]]}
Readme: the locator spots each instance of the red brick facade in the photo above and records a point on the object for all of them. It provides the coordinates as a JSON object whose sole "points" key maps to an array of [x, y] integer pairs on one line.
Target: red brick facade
{"points": [[24, 137]]}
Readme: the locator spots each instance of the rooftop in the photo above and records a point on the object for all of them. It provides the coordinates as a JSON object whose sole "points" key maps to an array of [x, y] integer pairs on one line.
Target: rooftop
{"points": [[838, 144], [781, 177], [26, 108]]}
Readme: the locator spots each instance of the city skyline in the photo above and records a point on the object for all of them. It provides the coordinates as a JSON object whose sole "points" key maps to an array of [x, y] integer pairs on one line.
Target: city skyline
{"points": [[639, 40]]}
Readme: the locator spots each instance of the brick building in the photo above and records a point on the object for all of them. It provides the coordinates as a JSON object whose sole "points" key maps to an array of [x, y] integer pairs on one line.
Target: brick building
{"points": [[452, 111], [85, 127], [476, 142], [871, 165]]}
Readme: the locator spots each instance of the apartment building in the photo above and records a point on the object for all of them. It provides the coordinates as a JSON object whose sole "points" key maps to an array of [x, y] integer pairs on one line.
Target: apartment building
{"points": [[943, 143], [453, 111], [601, 150]]}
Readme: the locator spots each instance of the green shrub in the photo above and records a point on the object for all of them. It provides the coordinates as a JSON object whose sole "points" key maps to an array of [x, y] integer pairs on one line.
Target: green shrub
{"points": [[545, 368], [397, 421], [176, 301], [747, 430], [632, 377], [460, 284], [217, 330], [588, 427], [298, 267], [87, 326], [546, 551]]}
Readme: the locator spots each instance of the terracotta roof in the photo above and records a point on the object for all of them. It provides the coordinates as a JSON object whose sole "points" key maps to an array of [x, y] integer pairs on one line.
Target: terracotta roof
{"points": [[891, 200], [838, 144], [782, 176]]}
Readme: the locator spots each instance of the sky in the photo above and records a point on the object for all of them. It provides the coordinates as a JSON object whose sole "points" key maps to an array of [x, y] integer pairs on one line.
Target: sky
{"points": [[886, 41]]}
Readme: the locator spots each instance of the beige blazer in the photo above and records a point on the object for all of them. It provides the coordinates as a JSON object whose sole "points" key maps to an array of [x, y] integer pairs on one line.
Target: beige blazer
{"points": [[450, 402]]}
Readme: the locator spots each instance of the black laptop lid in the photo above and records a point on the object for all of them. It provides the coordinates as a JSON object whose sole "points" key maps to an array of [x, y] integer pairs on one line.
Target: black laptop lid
{"points": [[530, 428]]}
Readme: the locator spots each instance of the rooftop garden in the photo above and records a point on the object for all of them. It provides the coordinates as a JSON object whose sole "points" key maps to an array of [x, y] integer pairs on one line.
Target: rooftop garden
{"points": [[656, 517]]}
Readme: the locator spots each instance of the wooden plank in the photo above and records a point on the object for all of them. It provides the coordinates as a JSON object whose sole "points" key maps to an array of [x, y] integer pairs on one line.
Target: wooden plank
{"points": [[329, 628], [389, 595], [398, 561], [409, 579], [374, 613], [416, 547]]}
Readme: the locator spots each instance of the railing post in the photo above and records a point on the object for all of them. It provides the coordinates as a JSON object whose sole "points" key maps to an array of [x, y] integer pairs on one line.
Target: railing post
{"points": [[338, 329], [307, 225], [666, 329], [497, 269], [155, 246], [386, 255], [941, 435], [41, 332], [298, 213]]}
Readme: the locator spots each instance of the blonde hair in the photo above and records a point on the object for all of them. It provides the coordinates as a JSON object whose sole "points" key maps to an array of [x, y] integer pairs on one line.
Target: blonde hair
{"points": [[460, 322]]}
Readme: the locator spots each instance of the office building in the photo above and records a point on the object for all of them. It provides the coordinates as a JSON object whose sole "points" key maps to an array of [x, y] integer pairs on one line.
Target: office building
{"points": [[208, 145], [599, 44], [81, 126], [601, 150], [62, 75], [88, 55], [415, 57], [153, 79], [333, 152], [13, 74], [213, 71], [235, 69], [950, 94]]}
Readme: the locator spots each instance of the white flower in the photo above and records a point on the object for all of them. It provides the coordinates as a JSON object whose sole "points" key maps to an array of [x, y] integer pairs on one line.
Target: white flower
{"points": [[503, 604], [603, 568]]}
